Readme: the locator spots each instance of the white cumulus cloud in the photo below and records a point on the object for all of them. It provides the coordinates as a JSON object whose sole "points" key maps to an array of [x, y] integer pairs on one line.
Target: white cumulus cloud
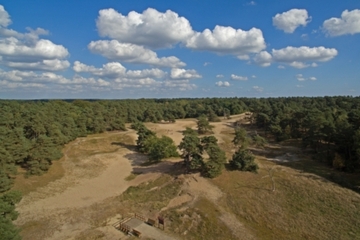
{"points": [[301, 78], [349, 23], [222, 84], [257, 88], [182, 85], [127, 52], [299, 56], [178, 73], [16, 50], [299, 65], [151, 28], [227, 40], [43, 65], [4, 17], [263, 59], [146, 73], [27, 50], [219, 76], [290, 20], [115, 70], [236, 77], [113, 75]]}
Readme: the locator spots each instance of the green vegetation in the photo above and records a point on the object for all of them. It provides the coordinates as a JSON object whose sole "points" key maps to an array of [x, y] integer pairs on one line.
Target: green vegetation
{"points": [[8, 214], [203, 125], [132, 176], [33, 133], [156, 148], [152, 195], [192, 148], [200, 221], [243, 160], [330, 126], [241, 139]]}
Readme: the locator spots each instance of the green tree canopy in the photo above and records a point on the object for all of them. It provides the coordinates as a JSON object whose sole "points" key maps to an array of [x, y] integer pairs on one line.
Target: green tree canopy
{"points": [[203, 125], [243, 160]]}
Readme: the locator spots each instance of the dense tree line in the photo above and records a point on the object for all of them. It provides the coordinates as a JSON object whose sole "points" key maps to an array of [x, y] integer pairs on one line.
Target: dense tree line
{"points": [[32, 133], [328, 125]]}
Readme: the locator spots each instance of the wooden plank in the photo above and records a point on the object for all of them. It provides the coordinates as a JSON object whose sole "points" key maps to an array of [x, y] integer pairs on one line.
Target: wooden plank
{"points": [[151, 222], [136, 232]]}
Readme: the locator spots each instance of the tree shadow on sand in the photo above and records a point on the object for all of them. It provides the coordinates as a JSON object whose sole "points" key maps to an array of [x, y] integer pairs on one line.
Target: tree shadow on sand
{"points": [[124, 145], [141, 163]]}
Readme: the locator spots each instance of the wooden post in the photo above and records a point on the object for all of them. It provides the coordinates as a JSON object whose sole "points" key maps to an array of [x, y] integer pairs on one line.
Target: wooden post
{"points": [[161, 221]]}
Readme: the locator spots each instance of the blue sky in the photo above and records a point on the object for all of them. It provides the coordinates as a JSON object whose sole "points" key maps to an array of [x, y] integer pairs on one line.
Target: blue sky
{"points": [[169, 49]]}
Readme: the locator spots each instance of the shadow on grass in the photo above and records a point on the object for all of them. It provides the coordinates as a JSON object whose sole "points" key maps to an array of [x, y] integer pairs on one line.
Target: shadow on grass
{"points": [[324, 172], [127, 146], [300, 159], [141, 163]]}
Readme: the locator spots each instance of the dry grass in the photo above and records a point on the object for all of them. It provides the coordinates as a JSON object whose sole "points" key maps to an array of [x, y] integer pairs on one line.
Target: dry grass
{"points": [[304, 206], [132, 176], [151, 196], [27, 184], [200, 221]]}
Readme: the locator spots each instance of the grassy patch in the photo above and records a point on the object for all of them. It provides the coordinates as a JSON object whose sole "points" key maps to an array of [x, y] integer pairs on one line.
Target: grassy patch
{"points": [[303, 206], [40, 229], [152, 196], [199, 222], [132, 176], [27, 184], [348, 180]]}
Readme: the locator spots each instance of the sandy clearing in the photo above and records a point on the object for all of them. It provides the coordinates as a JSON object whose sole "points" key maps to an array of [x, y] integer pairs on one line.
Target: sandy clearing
{"points": [[82, 192], [83, 186]]}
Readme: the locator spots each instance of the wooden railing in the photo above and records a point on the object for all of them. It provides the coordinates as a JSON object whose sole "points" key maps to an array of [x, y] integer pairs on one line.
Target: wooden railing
{"points": [[140, 217]]}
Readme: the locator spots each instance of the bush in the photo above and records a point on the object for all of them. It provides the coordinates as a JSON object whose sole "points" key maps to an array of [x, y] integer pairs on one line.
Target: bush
{"points": [[243, 160], [160, 148], [213, 169]]}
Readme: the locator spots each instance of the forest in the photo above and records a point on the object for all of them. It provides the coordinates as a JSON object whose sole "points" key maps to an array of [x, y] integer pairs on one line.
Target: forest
{"points": [[33, 133]]}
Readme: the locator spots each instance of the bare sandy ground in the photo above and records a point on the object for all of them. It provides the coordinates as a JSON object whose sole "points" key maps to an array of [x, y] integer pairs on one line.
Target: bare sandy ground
{"points": [[83, 187]]}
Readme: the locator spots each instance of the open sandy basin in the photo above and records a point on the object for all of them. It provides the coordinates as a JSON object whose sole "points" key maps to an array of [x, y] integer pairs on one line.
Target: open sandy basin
{"points": [[64, 208]]}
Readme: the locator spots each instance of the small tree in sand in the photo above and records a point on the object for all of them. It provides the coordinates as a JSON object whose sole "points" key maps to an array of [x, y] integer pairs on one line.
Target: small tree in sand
{"points": [[217, 158], [240, 139], [191, 149], [243, 160], [160, 148], [203, 125]]}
